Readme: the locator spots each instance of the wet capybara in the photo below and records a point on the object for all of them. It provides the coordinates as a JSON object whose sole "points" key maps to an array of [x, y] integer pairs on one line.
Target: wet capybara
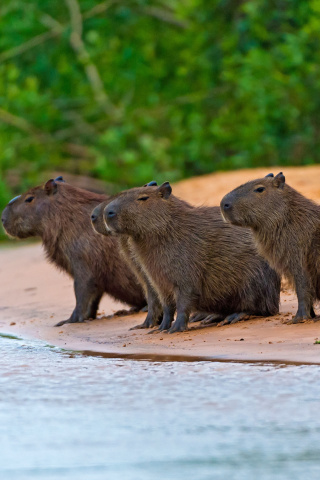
{"points": [[60, 214], [155, 313], [286, 229], [193, 259]]}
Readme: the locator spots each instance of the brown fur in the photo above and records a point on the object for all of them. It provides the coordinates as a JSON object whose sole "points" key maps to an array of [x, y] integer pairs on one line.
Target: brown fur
{"points": [[286, 228], [194, 261], [60, 214]]}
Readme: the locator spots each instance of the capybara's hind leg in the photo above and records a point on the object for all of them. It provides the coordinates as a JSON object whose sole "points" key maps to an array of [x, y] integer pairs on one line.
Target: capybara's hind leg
{"points": [[125, 312], [198, 317], [234, 318], [312, 313], [87, 301]]}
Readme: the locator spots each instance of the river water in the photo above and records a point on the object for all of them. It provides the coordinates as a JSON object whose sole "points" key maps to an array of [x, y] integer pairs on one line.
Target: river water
{"points": [[72, 417]]}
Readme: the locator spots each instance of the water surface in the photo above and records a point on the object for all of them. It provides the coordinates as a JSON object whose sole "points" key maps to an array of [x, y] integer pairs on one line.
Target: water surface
{"points": [[72, 417]]}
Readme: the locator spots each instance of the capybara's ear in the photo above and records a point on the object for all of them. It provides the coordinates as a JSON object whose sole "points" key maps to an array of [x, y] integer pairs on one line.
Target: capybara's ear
{"points": [[151, 184], [50, 187], [165, 190], [269, 175], [59, 179], [279, 180]]}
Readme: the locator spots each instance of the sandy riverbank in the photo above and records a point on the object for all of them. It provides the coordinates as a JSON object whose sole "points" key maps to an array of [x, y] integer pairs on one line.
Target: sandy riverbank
{"points": [[34, 296]]}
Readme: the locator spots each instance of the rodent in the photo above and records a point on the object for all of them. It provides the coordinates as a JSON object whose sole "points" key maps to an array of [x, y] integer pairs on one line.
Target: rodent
{"points": [[192, 258], [286, 229], [59, 214], [155, 313]]}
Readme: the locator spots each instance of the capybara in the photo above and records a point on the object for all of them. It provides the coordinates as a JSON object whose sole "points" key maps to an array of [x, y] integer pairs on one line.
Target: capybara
{"points": [[60, 214], [154, 315], [193, 259], [286, 228]]}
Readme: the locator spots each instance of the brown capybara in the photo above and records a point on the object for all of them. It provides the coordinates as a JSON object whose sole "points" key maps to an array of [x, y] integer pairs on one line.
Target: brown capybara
{"points": [[60, 214], [154, 315], [286, 229], [193, 259]]}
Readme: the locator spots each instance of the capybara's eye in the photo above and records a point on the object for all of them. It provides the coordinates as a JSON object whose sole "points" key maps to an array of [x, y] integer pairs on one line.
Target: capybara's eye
{"points": [[259, 189], [29, 199], [143, 198]]}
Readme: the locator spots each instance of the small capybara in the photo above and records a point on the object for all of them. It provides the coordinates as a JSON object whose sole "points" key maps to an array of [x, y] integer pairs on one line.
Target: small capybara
{"points": [[60, 214], [193, 259], [286, 229], [154, 315]]}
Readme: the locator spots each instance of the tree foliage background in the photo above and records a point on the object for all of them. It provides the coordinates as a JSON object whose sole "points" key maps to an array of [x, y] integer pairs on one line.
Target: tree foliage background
{"points": [[133, 90]]}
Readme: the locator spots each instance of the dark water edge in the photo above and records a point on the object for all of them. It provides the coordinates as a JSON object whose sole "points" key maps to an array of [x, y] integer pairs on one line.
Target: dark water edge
{"points": [[65, 415]]}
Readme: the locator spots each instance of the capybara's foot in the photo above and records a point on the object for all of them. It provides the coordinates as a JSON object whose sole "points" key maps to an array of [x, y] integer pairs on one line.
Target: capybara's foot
{"points": [[140, 326], [233, 318], [298, 319], [180, 325], [164, 325], [198, 317], [148, 323], [125, 312], [155, 330], [152, 320], [70, 320], [212, 319], [178, 328]]}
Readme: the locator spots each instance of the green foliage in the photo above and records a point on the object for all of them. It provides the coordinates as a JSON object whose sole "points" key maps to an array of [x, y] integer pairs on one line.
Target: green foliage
{"points": [[134, 90]]}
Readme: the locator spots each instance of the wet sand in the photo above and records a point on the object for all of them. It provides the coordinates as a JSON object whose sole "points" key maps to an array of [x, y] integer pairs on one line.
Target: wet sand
{"points": [[34, 296]]}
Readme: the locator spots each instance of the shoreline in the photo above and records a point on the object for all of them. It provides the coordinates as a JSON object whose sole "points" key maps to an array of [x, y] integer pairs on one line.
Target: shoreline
{"points": [[157, 357], [34, 296]]}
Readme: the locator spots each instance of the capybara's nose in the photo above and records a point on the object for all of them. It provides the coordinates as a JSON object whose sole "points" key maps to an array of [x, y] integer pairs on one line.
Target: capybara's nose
{"points": [[111, 214], [226, 206]]}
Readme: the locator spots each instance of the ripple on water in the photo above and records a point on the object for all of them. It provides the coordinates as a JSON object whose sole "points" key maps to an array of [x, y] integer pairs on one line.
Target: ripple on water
{"points": [[78, 417]]}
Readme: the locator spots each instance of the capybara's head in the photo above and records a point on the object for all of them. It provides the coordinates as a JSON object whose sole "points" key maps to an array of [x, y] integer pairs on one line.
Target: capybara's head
{"points": [[24, 216], [138, 210], [255, 203], [97, 216]]}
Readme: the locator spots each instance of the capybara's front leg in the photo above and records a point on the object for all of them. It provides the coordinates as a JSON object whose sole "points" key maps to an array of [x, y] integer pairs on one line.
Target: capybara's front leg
{"points": [[168, 314], [304, 300], [88, 297], [183, 313], [155, 312]]}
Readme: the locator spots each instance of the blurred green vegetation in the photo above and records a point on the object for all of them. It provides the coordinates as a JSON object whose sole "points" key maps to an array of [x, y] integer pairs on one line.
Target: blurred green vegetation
{"points": [[132, 90]]}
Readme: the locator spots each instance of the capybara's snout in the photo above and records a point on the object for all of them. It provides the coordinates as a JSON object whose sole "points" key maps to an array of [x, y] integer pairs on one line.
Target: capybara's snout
{"points": [[6, 212], [110, 212], [95, 214], [226, 207], [4, 217]]}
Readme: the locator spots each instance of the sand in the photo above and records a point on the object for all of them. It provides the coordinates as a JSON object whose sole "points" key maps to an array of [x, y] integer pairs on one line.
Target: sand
{"points": [[34, 296]]}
